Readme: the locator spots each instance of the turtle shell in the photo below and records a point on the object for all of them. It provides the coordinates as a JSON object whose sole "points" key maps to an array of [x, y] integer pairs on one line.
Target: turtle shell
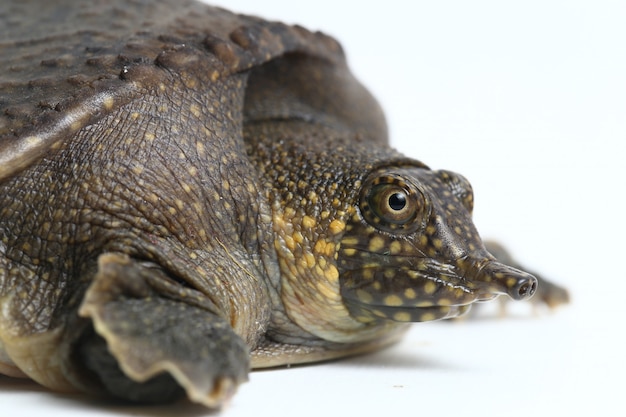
{"points": [[67, 64]]}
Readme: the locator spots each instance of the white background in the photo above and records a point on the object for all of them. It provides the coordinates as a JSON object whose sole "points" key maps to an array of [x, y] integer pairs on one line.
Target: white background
{"points": [[528, 100]]}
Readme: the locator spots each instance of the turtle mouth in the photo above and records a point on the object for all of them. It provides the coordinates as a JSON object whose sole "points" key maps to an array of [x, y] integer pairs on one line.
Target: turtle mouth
{"points": [[429, 291], [409, 314]]}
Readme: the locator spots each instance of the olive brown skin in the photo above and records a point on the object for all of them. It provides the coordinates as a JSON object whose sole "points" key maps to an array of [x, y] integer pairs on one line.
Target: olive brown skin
{"points": [[186, 193]]}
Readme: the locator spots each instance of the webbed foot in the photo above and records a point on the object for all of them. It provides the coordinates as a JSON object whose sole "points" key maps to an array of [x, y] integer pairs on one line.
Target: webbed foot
{"points": [[151, 347]]}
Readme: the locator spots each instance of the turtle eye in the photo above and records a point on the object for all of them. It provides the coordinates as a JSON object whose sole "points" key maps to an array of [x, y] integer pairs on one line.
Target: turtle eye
{"points": [[390, 203]]}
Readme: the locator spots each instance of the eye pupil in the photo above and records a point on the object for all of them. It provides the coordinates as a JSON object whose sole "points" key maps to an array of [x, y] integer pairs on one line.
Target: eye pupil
{"points": [[397, 201]]}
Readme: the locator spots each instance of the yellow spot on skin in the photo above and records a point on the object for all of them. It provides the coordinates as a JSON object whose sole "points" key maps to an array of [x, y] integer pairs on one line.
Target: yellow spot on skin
{"points": [[193, 171], [511, 282], [195, 110], [332, 274], [424, 303], [324, 248], [76, 125], [368, 273], [427, 317], [308, 222], [389, 273], [459, 293], [337, 226], [280, 222], [376, 244], [289, 213], [108, 103], [393, 301], [215, 75], [349, 252], [309, 259], [437, 243], [430, 288], [379, 314], [149, 136], [200, 149], [410, 293], [289, 242], [350, 241], [191, 83], [462, 264], [200, 270], [402, 316], [320, 246], [395, 247]]}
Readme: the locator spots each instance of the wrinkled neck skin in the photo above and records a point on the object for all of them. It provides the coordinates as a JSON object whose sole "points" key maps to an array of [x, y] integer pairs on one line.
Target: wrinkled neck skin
{"points": [[312, 175]]}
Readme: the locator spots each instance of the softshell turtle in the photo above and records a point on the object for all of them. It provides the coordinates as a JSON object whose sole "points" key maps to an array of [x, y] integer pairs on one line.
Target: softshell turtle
{"points": [[186, 193]]}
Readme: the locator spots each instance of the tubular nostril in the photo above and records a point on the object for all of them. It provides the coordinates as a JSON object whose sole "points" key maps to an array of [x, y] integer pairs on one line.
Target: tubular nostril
{"points": [[525, 288], [504, 279]]}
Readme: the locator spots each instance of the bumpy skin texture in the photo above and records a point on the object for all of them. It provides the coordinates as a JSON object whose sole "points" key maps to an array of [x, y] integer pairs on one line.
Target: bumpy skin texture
{"points": [[186, 193]]}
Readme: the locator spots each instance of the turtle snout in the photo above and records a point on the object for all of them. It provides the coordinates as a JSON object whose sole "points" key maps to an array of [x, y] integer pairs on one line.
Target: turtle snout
{"points": [[504, 279]]}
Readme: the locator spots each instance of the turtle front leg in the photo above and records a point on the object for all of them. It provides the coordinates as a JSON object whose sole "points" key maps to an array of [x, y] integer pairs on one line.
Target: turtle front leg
{"points": [[153, 340]]}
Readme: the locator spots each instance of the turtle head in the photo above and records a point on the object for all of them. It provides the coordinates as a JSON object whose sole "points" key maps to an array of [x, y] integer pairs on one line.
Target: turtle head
{"points": [[410, 251]]}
